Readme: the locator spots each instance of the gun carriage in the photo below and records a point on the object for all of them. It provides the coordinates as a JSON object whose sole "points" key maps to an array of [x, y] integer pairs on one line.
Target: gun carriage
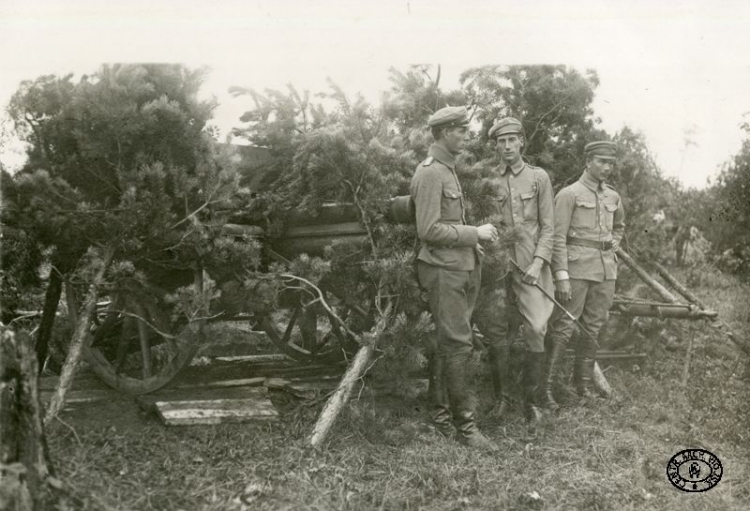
{"points": [[138, 344]]}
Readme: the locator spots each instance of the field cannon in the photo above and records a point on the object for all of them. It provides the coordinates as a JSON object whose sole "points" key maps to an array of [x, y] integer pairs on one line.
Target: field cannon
{"points": [[138, 345]]}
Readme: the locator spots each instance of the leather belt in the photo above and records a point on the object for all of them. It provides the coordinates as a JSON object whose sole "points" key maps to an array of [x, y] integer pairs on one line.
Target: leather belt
{"points": [[581, 242]]}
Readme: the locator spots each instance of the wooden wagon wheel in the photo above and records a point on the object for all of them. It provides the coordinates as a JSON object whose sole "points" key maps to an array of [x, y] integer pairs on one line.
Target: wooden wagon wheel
{"points": [[136, 347], [309, 333]]}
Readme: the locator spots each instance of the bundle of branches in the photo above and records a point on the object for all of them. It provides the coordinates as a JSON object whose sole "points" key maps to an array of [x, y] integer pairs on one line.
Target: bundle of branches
{"points": [[361, 156]]}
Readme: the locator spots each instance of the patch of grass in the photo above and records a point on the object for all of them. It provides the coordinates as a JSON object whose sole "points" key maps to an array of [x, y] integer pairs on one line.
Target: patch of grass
{"points": [[597, 456]]}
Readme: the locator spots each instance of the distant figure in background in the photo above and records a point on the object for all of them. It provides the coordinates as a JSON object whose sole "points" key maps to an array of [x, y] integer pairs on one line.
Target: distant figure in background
{"points": [[589, 224], [681, 240], [449, 266]]}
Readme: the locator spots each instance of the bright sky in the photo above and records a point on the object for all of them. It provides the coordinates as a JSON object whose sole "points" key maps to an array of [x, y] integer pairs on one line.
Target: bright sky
{"points": [[666, 68]]}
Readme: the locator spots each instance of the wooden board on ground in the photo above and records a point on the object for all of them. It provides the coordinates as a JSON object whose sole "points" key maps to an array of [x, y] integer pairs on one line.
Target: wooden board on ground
{"points": [[242, 382], [148, 402], [255, 359], [241, 369], [216, 411]]}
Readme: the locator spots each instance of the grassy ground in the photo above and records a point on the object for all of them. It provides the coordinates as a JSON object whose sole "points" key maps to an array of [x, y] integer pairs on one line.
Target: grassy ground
{"points": [[607, 455]]}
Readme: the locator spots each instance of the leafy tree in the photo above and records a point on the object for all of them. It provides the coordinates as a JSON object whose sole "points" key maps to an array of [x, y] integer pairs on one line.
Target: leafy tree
{"points": [[727, 220], [552, 102], [332, 149], [122, 161]]}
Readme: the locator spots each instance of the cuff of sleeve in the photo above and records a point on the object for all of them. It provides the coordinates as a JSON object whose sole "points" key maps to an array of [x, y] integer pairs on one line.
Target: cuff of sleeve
{"points": [[543, 257], [561, 275], [467, 235]]}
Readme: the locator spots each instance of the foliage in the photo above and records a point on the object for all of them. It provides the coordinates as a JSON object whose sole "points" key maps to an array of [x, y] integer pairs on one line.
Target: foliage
{"points": [[333, 150], [326, 148], [122, 158], [552, 102], [727, 222]]}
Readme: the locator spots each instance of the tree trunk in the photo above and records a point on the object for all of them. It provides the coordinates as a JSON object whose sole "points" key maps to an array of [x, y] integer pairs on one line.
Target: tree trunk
{"points": [[340, 396], [25, 470], [51, 299], [80, 335], [600, 381]]}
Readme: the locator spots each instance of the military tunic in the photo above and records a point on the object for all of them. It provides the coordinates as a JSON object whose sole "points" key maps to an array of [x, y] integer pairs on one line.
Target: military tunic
{"points": [[589, 224], [524, 199], [448, 264], [591, 212]]}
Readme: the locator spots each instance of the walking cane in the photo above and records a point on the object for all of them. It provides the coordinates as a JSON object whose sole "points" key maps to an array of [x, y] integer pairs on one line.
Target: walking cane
{"points": [[552, 298]]}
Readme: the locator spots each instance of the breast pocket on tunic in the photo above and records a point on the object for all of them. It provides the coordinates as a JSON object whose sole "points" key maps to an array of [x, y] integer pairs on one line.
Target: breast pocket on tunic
{"points": [[584, 215], [450, 205], [531, 205], [609, 214]]}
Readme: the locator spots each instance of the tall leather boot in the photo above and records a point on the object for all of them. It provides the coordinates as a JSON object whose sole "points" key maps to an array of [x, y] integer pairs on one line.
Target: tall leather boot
{"points": [[463, 412], [500, 370], [533, 386], [551, 373], [440, 412], [583, 375]]}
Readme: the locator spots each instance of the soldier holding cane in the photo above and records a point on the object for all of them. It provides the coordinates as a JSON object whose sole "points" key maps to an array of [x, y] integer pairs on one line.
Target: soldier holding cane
{"points": [[523, 197]]}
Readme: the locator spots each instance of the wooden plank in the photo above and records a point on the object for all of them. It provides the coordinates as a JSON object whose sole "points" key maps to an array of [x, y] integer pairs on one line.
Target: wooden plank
{"points": [[276, 383], [325, 230], [148, 402], [216, 411], [255, 359], [241, 382]]}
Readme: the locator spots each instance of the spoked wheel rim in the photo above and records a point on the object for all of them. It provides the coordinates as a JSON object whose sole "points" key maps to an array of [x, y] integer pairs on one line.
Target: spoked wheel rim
{"points": [[136, 347], [309, 333]]}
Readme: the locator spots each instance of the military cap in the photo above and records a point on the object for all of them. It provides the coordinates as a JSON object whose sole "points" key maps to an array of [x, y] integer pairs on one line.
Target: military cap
{"points": [[449, 116], [601, 149], [505, 126]]}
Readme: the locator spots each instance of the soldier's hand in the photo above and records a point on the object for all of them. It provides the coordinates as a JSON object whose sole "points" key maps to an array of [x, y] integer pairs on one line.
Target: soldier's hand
{"points": [[563, 291], [532, 272], [487, 232]]}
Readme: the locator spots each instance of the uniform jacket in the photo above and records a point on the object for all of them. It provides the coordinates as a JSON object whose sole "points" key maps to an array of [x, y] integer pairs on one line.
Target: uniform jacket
{"points": [[524, 199], [447, 242], [591, 211]]}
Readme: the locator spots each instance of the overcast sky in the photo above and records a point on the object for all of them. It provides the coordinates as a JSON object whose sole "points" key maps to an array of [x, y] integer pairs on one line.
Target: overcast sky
{"points": [[666, 70]]}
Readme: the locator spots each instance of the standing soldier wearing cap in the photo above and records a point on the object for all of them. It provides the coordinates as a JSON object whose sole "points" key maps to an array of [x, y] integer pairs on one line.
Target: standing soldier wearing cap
{"points": [[449, 269], [589, 224], [523, 197]]}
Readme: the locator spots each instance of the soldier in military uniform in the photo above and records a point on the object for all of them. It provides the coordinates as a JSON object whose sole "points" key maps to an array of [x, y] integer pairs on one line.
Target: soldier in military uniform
{"points": [[589, 224], [449, 269], [523, 197]]}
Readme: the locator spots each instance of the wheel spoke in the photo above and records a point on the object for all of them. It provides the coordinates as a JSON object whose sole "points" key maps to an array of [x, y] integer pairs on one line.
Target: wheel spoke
{"points": [[143, 334], [122, 346], [290, 326]]}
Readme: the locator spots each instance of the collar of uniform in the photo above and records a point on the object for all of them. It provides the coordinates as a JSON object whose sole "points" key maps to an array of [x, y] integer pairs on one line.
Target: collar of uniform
{"points": [[591, 183], [442, 155], [516, 167]]}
